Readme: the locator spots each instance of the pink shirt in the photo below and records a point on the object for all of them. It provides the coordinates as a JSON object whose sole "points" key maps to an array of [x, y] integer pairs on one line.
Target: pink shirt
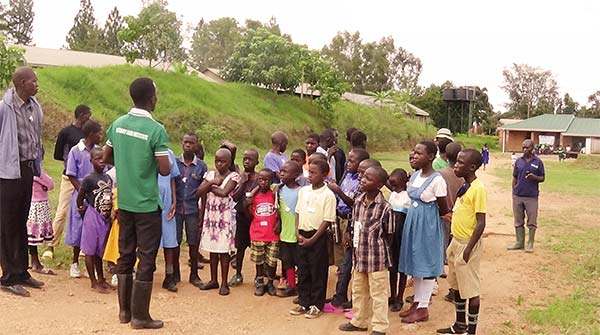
{"points": [[39, 183]]}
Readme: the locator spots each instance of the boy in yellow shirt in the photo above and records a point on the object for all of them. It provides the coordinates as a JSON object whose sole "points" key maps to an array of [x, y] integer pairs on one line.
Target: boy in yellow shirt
{"points": [[464, 252]]}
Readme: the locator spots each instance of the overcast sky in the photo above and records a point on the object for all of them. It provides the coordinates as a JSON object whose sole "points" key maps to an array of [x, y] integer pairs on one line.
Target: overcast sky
{"points": [[467, 42]]}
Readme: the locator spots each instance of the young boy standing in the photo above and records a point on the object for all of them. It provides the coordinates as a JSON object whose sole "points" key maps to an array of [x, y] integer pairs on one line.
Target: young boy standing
{"points": [[464, 252], [373, 229], [287, 197], [265, 241], [315, 211], [275, 158]]}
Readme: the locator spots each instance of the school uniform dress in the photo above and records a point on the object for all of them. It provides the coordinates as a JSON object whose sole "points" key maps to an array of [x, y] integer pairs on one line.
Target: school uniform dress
{"points": [[97, 189], [218, 227], [422, 250], [169, 227], [78, 166]]}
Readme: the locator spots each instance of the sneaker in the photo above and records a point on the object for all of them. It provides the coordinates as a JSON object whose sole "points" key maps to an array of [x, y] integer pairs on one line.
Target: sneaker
{"points": [[114, 281], [298, 310], [313, 312], [331, 308], [74, 271], [260, 290], [236, 280], [48, 255], [349, 314]]}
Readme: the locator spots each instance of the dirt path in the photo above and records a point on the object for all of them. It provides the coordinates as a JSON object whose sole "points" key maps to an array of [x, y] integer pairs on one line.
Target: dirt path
{"points": [[67, 306]]}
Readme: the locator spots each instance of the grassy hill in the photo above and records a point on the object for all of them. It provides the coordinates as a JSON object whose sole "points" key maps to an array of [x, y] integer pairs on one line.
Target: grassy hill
{"points": [[245, 114]]}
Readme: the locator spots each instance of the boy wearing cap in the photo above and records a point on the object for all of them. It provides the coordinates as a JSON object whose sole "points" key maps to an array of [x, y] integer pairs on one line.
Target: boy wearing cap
{"points": [[442, 139]]}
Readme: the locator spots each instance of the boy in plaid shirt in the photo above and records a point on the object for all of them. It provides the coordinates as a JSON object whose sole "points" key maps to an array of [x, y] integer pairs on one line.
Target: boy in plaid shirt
{"points": [[373, 230]]}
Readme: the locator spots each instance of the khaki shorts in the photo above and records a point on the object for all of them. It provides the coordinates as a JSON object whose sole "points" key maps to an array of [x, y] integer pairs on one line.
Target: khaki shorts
{"points": [[264, 252], [462, 276]]}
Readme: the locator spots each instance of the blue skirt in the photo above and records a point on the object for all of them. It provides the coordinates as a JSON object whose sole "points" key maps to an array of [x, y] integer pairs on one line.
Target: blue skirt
{"points": [[422, 248], [74, 224]]}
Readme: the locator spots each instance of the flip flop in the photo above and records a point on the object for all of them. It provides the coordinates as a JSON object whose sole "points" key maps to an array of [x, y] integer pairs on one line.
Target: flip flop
{"points": [[44, 271]]}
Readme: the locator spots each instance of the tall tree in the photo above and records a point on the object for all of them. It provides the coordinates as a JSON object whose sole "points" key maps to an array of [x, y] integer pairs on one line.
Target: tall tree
{"points": [[3, 23], [532, 91], [345, 52], [592, 109], [85, 35], [432, 101], [213, 42], [154, 35], [111, 44], [10, 59], [568, 105], [19, 21]]}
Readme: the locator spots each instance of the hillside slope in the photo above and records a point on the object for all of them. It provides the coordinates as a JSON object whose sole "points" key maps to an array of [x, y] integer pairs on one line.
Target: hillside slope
{"points": [[242, 113]]}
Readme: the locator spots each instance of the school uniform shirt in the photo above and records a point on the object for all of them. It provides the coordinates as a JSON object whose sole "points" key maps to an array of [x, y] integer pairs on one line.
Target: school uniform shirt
{"points": [[273, 162], [288, 198], [400, 201], [525, 187], [437, 187], [463, 216], [349, 186], [187, 183], [79, 164], [372, 221], [331, 162], [264, 218], [314, 207]]}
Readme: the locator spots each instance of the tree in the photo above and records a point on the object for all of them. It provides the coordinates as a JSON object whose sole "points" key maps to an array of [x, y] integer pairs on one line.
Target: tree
{"points": [[432, 100], [3, 23], [381, 97], [213, 42], [532, 91], [19, 21], [374, 66], [568, 105], [10, 59], [85, 35], [111, 44], [592, 110], [154, 35]]}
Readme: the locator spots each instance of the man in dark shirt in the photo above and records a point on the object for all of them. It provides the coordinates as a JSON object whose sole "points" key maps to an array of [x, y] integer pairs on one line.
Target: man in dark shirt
{"points": [[527, 175], [67, 138], [192, 174]]}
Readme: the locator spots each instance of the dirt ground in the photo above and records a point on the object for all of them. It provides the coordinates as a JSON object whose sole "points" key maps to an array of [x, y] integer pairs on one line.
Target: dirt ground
{"points": [[67, 306]]}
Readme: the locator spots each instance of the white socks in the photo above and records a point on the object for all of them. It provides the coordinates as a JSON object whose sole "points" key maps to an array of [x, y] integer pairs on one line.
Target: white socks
{"points": [[423, 289]]}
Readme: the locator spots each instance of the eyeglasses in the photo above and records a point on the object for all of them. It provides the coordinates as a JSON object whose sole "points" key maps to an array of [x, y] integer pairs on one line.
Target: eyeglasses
{"points": [[463, 189]]}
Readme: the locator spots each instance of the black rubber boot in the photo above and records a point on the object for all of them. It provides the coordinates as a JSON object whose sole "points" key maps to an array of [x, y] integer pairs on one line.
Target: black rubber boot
{"points": [[140, 306], [169, 283], [125, 283]]}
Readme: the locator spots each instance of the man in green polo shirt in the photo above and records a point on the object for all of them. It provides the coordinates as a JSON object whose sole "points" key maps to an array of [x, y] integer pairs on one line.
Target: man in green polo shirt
{"points": [[138, 145]]}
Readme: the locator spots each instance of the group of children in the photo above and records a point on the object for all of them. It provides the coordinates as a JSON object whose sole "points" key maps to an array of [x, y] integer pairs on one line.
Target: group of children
{"points": [[308, 212]]}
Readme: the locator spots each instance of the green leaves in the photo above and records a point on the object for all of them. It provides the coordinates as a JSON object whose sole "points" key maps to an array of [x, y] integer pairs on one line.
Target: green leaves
{"points": [[85, 35], [18, 21], [532, 91], [10, 59]]}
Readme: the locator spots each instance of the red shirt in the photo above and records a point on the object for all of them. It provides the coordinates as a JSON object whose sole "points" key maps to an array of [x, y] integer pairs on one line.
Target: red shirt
{"points": [[264, 217]]}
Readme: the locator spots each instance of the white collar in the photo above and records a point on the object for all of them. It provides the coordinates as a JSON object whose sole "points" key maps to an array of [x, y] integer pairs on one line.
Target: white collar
{"points": [[81, 145], [140, 112]]}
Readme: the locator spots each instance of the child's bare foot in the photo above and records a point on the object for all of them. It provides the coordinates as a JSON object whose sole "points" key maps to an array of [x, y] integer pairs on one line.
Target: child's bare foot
{"points": [[105, 285], [99, 289]]}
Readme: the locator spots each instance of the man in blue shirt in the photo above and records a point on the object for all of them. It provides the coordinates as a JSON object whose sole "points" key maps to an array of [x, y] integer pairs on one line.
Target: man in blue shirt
{"points": [[528, 173], [192, 171]]}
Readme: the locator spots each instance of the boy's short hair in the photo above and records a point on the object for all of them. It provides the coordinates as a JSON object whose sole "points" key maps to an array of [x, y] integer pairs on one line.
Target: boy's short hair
{"points": [[358, 139], [254, 152], [474, 157], [296, 168], [399, 172], [371, 162], [300, 152], [430, 147], [82, 109], [361, 154], [191, 133], [96, 150], [90, 127], [323, 166], [349, 133], [381, 174], [327, 133], [269, 171], [314, 136], [318, 156]]}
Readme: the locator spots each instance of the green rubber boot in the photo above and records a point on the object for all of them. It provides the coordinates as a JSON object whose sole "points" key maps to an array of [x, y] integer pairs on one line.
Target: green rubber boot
{"points": [[529, 246], [520, 244]]}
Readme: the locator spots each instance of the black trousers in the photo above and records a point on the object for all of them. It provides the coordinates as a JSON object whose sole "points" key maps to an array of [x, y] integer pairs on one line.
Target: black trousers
{"points": [[139, 237], [313, 269], [15, 199]]}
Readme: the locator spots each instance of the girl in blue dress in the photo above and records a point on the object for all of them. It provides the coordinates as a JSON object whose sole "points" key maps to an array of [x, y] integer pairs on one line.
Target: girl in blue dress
{"points": [[421, 249]]}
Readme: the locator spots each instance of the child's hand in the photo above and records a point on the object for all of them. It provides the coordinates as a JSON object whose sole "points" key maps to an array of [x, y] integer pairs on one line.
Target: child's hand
{"points": [[307, 242], [346, 240], [218, 180], [171, 214], [333, 186], [277, 228], [81, 210], [467, 254]]}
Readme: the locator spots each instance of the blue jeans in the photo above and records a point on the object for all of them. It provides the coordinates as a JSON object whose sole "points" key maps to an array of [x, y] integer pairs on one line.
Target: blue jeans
{"points": [[341, 287]]}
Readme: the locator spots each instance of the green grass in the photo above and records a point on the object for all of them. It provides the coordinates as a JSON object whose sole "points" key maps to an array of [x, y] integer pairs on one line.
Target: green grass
{"points": [[477, 141], [579, 177], [245, 114]]}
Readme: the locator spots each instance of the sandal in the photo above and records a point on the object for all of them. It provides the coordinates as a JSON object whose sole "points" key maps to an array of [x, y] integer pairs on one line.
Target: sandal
{"points": [[224, 290], [210, 286], [44, 271]]}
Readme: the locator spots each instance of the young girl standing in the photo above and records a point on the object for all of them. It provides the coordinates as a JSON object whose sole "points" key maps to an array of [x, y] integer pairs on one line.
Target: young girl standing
{"points": [[400, 202], [422, 250], [218, 225], [39, 223]]}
